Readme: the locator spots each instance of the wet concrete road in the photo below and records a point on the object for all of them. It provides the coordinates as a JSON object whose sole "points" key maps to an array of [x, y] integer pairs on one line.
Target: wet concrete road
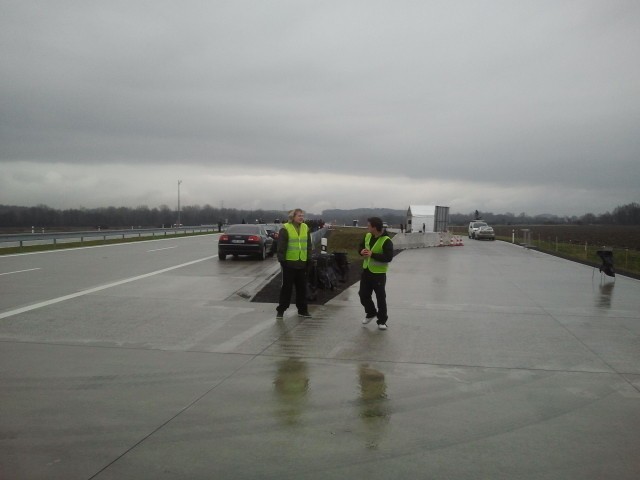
{"points": [[499, 363]]}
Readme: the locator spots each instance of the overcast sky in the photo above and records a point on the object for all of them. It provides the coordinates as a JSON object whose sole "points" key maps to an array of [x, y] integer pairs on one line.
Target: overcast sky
{"points": [[502, 106]]}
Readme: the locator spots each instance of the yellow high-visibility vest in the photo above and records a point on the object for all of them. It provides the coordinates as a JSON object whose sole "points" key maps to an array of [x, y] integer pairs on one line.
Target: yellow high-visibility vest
{"points": [[372, 264], [297, 245]]}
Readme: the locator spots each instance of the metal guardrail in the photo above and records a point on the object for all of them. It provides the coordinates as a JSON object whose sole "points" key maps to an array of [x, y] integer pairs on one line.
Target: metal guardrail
{"points": [[317, 236], [28, 239], [53, 238]]}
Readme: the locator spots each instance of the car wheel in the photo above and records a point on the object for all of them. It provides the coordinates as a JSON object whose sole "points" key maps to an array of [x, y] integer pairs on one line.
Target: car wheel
{"points": [[221, 256], [263, 253]]}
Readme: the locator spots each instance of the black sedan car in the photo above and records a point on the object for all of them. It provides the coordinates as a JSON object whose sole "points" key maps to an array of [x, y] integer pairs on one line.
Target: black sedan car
{"points": [[244, 239]]}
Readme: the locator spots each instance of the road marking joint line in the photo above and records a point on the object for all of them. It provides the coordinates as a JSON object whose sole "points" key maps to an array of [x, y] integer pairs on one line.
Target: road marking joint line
{"points": [[53, 301], [20, 271]]}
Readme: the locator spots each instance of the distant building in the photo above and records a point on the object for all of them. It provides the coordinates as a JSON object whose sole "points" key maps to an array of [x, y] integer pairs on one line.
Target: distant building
{"points": [[427, 218]]}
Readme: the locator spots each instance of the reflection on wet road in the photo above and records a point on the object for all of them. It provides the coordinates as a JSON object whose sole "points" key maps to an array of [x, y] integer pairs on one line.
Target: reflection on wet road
{"points": [[373, 403], [291, 386], [606, 294]]}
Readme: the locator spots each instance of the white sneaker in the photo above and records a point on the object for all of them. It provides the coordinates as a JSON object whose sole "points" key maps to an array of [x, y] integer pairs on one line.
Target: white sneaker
{"points": [[368, 319], [382, 326]]}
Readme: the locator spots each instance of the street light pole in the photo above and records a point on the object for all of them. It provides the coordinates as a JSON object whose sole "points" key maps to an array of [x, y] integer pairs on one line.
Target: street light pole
{"points": [[179, 223]]}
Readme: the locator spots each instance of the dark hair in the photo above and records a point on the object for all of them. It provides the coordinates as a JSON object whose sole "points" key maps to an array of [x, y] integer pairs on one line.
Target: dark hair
{"points": [[376, 222]]}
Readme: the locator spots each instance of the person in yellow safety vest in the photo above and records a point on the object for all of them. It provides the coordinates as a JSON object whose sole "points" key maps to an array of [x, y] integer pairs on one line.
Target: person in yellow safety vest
{"points": [[377, 250], [294, 254]]}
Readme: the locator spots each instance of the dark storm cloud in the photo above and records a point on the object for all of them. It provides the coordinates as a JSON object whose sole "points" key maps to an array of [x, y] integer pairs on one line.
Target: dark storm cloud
{"points": [[532, 93]]}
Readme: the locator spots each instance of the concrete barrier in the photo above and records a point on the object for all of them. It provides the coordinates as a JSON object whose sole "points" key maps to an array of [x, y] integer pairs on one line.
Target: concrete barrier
{"points": [[422, 240]]}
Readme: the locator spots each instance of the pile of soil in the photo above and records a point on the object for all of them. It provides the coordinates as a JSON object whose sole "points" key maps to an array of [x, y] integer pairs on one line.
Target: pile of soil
{"points": [[270, 293]]}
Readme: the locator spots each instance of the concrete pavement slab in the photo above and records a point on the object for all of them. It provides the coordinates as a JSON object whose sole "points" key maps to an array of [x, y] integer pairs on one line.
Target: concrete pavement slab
{"points": [[504, 340], [69, 411], [297, 418], [499, 362]]}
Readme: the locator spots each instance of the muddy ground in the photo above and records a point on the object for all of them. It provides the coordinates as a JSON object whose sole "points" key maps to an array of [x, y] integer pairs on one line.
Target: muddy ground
{"points": [[270, 293]]}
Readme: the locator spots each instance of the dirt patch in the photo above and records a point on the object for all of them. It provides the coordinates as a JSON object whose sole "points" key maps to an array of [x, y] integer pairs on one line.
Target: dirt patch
{"points": [[270, 293]]}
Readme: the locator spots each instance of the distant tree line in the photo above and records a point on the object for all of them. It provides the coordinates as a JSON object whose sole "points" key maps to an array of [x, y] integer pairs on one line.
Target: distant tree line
{"points": [[623, 215], [124, 217], [42, 216], [346, 217]]}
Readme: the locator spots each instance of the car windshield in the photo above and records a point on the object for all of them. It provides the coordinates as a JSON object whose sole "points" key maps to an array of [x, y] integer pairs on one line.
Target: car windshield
{"points": [[479, 224], [250, 229]]}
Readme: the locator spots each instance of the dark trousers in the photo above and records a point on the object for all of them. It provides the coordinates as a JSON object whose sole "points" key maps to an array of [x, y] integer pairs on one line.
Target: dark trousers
{"points": [[369, 283], [291, 277]]}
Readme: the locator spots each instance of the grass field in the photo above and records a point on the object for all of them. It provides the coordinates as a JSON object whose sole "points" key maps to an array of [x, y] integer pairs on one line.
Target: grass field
{"points": [[578, 242], [347, 239]]}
